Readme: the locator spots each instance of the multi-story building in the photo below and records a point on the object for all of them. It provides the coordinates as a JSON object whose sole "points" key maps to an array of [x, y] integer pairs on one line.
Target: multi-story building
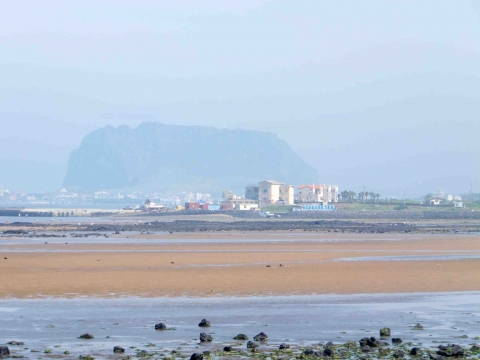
{"points": [[251, 192], [273, 192], [317, 193]]}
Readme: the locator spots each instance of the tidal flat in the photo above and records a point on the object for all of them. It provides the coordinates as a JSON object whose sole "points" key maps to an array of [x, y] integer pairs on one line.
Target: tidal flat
{"points": [[313, 295], [50, 327]]}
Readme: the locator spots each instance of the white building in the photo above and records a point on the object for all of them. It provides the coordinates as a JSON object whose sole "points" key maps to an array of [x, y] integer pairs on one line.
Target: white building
{"points": [[274, 192], [244, 204], [317, 193]]}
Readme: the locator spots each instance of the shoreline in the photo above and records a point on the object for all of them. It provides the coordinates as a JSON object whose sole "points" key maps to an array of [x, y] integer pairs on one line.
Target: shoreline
{"points": [[308, 326]]}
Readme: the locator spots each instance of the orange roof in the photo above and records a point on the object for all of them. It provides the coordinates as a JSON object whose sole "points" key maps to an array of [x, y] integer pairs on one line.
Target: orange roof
{"points": [[313, 186]]}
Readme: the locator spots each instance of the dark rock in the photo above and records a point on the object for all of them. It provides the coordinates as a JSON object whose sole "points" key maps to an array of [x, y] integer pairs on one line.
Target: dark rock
{"points": [[17, 343], [366, 349], [206, 353], [475, 348], [4, 351], [329, 345], [399, 354], [385, 332], [435, 357], [383, 352], [252, 345], [370, 342], [451, 350], [418, 327], [160, 326], [284, 346], [350, 344], [227, 348], [328, 353], [416, 351], [396, 341], [261, 337], [118, 350], [204, 323], [241, 337], [86, 336], [205, 337], [196, 356]]}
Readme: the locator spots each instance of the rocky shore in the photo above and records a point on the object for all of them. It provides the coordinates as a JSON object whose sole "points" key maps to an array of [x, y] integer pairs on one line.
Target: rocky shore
{"points": [[385, 346], [181, 226]]}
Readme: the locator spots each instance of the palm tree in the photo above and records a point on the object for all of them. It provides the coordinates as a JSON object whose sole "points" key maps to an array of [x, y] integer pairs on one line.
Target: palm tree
{"points": [[352, 195]]}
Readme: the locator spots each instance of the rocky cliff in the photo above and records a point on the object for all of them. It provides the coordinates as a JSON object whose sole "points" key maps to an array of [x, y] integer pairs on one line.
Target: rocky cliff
{"points": [[161, 157]]}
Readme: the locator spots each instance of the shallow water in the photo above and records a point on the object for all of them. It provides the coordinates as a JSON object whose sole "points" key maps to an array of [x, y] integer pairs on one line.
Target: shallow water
{"points": [[301, 320]]}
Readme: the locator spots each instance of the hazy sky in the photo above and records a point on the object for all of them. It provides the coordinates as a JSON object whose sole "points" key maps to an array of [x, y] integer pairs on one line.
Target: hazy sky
{"points": [[383, 94]]}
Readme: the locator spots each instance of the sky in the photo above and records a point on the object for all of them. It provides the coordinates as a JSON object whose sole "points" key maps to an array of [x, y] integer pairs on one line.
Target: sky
{"points": [[381, 94]]}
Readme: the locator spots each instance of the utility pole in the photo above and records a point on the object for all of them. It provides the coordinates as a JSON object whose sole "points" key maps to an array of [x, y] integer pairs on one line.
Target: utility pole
{"points": [[470, 197]]}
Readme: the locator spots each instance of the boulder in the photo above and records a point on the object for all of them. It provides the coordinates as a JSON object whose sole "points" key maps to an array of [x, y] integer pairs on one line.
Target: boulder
{"points": [[15, 343], [475, 348], [418, 327], [205, 337], [366, 349], [328, 353], [261, 337], [4, 351], [241, 337], [308, 352], [416, 351], [86, 336], [204, 323], [329, 345], [284, 346], [206, 353], [160, 326], [396, 341], [350, 344], [227, 349], [118, 350], [370, 342], [399, 354], [451, 350], [196, 356], [252, 345], [385, 332]]}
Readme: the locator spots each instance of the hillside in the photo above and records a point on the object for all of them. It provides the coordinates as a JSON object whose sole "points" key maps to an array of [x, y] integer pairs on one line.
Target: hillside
{"points": [[161, 157]]}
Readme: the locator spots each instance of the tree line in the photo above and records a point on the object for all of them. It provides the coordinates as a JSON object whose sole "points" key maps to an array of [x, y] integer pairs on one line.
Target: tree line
{"points": [[364, 196]]}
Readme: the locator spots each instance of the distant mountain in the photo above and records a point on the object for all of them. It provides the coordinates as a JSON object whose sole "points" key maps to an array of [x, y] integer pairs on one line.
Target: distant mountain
{"points": [[161, 157]]}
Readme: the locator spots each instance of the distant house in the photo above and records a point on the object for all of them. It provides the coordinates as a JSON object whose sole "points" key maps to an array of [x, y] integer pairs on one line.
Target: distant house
{"points": [[317, 193], [226, 206], [251, 192], [435, 201], [274, 192], [244, 204], [458, 204], [192, 206]]}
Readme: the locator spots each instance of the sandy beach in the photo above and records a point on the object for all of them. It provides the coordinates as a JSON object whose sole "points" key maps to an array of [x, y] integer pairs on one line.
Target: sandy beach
{"points": [[240, 265]]}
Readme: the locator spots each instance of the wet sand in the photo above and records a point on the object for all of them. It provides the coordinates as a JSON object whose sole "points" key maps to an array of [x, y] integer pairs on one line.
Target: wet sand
{"points": [[236, 265]]}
